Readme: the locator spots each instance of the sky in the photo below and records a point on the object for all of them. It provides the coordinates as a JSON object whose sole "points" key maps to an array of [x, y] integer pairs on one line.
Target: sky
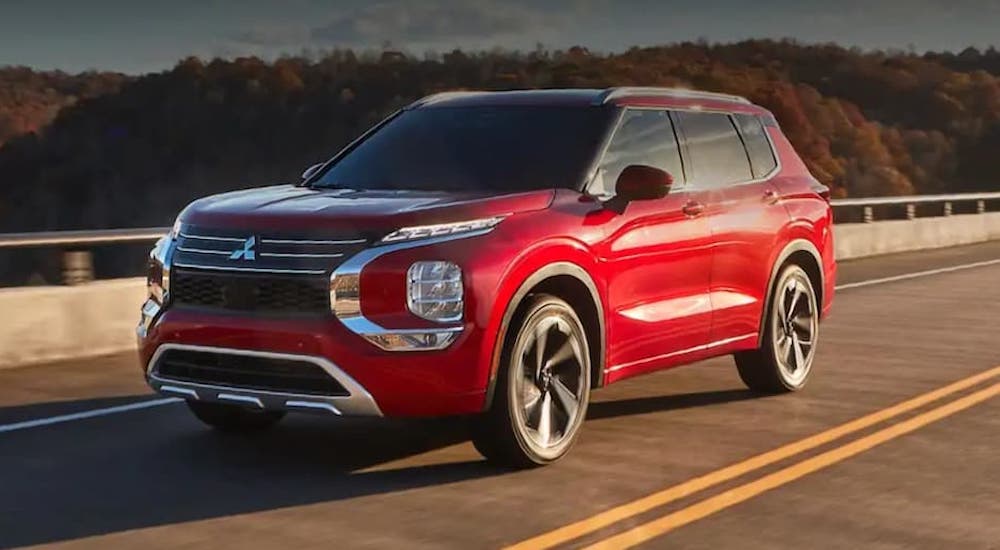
{"points": [[141, 36]]}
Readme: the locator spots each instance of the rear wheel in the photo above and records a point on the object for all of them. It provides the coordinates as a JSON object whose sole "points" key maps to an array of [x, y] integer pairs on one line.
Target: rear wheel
{"points": [[791, 327], [543, 387], [232, 418]]}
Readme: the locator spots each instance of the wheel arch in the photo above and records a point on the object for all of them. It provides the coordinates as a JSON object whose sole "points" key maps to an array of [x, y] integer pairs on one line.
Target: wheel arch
{"points": [[804, 254], [573, 284]]}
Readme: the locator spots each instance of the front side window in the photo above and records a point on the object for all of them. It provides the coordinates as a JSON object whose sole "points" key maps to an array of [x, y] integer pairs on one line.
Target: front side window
{"points": [[715, 149], [644, 136], [759, 150], [476, 148]]}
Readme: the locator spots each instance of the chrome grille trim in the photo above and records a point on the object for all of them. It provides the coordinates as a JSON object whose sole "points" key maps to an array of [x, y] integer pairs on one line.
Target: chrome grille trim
{"points": [[203, 251], [209, 238], [264, 250], [281, 255], [254, 269], [307, 242]]}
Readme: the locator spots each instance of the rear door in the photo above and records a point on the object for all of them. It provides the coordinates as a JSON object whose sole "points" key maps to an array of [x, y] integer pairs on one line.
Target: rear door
{"points": [[658, 254], [732, 160]]}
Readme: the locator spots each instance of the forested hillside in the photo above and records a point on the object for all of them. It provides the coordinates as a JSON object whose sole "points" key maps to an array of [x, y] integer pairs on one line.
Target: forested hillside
{"points": [[30, 100], [867, 123]]}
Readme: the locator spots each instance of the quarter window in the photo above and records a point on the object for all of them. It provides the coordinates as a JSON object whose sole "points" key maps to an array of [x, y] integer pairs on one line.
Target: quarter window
{"points": [[759, 150], [716, 152], [644, 136]]}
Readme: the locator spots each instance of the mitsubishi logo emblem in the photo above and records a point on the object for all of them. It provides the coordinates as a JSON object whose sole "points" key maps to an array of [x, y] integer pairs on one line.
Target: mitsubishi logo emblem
{"points": [[245, 252]]}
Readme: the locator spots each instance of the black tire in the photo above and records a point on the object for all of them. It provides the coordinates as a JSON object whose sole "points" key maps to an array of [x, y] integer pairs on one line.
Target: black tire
{"points": [[532, 384], [791, 328], [233, 418]]}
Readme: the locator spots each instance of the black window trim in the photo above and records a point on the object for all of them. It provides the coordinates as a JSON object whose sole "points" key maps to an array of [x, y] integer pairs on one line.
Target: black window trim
{"points": [[595, 165], [685, 153], [770, 144]]}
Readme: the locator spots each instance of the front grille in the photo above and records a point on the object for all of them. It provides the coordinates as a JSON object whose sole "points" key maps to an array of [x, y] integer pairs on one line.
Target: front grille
{"points": [[243, 270], [247, 372], [250, 292]]}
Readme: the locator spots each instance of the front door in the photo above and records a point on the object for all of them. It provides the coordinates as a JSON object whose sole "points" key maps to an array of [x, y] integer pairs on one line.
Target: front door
{"points": [[658, 253]]}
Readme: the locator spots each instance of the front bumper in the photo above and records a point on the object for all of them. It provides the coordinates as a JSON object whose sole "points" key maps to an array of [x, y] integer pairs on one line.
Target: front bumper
{"points": [[444, 382], [357, 402]]}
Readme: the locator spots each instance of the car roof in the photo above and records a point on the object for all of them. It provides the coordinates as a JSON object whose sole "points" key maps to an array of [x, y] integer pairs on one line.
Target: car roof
{"points": [[581, 97]]}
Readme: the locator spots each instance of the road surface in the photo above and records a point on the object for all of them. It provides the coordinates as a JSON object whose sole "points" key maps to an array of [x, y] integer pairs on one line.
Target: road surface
{"points": [[923, 474]]}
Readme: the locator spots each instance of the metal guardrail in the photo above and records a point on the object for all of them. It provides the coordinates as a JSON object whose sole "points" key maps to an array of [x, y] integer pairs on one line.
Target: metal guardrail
{"points": [[917, 199], [910, 202], [70, 238]]}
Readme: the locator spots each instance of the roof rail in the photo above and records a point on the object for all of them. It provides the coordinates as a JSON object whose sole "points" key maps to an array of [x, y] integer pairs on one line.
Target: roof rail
{"points": [[442, 96], [680, 93]]}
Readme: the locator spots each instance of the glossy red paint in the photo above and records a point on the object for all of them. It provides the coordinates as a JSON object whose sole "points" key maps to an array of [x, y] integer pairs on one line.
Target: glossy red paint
{"points": [[678, 279]]}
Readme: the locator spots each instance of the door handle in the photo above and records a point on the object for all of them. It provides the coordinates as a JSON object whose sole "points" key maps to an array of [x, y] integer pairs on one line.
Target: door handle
{"points": [[771, 196], [693, 209]]}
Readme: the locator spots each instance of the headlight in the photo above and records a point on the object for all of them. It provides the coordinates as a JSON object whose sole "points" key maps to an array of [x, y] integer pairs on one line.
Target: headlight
{"points": [[434, 291], [427, 231], [158, 274]]}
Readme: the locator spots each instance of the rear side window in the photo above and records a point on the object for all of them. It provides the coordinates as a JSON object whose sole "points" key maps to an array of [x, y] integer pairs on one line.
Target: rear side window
{"points": [[644, 136], [715, 149], [759, 150]]}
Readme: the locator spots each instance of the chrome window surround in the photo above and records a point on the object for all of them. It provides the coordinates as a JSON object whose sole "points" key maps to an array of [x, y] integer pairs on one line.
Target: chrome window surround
{"points": [[345, 299], [358, 402]]}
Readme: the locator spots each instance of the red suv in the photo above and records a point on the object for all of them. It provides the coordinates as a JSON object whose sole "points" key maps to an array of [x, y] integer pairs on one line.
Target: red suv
{"points": [[499, 254]]}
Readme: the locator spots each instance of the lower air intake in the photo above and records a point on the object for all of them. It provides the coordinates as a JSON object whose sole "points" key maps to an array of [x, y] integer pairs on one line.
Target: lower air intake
{"points": [[248, 372]]}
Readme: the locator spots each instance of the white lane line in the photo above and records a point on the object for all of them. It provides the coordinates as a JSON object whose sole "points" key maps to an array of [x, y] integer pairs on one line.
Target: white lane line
{"points": [[158, 402], [87, 414], [906, 276]]}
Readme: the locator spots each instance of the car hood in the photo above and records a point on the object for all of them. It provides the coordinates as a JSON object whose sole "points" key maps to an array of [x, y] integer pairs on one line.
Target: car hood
{"points": [[291, 207]]}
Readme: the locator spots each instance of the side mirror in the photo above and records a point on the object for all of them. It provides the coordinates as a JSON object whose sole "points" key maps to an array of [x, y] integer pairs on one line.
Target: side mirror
{"points": [[311, 171], [639, 182]]}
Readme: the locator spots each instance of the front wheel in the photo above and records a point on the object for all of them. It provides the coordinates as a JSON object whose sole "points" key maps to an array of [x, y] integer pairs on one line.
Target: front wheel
{"points": [[232, 418], [543, 387], [791, 327]]}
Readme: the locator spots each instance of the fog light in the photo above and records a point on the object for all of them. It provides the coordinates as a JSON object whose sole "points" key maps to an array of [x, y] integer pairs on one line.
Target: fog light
{"points": [[434, 291], [412, 340]]}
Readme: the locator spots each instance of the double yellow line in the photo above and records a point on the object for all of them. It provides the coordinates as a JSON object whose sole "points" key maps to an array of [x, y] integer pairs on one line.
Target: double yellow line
{"points": [[708, 506]]}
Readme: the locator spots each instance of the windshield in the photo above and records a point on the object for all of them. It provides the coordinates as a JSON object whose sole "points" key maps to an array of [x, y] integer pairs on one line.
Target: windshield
{"points": [[485, 148]]}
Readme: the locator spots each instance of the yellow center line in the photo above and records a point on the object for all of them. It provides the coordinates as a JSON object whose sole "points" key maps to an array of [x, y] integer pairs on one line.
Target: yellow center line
{"points": [[669, 522], [670, 494]]}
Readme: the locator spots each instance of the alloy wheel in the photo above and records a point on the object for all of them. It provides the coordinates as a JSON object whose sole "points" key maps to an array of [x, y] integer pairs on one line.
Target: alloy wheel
{"points": [[549, 383], [794, 329]]}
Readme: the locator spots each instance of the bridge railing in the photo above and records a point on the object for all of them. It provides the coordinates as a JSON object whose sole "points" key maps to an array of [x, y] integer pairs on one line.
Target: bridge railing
{"points": [[78, 238], [869, 210], [78, 263]]}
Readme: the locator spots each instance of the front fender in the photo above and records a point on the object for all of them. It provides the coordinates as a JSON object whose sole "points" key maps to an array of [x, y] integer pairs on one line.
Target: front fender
{"points": [[533, 266]]}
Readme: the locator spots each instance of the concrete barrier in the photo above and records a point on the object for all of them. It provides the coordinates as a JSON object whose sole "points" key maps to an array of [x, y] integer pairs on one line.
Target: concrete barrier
{"points": [[49, 323], [858, 240], [39, 324]]}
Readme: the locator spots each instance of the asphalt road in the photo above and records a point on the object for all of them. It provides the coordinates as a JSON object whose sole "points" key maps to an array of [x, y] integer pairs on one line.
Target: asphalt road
{"points": [[924, 476]]}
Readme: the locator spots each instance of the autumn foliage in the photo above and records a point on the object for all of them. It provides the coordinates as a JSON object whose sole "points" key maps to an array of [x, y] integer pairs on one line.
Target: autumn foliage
{"points": [[30, 100], [126, 152]]}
